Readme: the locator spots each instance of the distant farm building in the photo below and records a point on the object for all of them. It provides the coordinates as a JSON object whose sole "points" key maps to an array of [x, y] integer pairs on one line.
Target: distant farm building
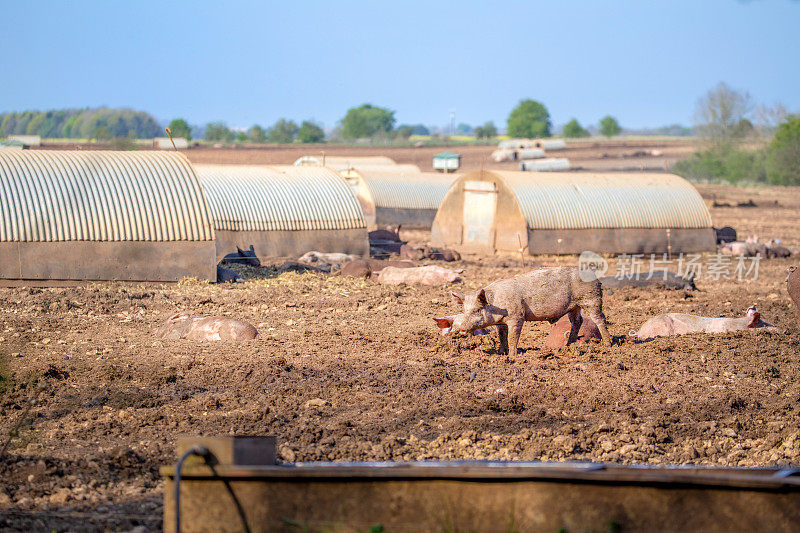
{"points": [[102, 215], [26, 140], [392, 198], [282, 211], [163, 143], [550, 164], [550, 145], [570, 212], [340, 163], [447, 162]]}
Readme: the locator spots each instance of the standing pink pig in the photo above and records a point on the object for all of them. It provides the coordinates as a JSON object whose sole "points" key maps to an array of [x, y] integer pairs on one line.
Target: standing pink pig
{"points": [[543, 294]]}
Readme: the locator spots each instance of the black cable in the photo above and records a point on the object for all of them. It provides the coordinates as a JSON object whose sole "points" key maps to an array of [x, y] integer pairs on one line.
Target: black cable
{"points": [[200, 451]]}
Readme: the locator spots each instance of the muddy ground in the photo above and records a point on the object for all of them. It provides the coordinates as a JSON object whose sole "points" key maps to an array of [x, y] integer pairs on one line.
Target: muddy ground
{"points": [[348, 369]]}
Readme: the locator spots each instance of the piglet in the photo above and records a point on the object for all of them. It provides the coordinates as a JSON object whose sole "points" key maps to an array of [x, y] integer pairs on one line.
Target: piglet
{"points": [[210, 328], [682, 323]]}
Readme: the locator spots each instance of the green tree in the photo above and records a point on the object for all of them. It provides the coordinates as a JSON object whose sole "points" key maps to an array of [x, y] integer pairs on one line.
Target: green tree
{"points": [[783, 164], [464, 129], [487, 131], [609, 126], [530, 119], [282, 132], [366, 121], [180, 128], [256, 134], [573, 129], [310, 133], [218, 131]]}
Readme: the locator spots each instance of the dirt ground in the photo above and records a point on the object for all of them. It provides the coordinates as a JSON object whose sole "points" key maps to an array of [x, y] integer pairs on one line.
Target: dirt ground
{"points": [[91, 403]]}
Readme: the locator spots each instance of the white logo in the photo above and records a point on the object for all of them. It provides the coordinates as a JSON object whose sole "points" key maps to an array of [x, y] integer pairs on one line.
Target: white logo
{"points": [[591, 266]]}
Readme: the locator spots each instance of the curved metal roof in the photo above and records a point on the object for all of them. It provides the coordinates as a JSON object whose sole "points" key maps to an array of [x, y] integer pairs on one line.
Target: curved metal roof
{"points": [[259, 198], [402, 190], [50, 196], [570, 200]]}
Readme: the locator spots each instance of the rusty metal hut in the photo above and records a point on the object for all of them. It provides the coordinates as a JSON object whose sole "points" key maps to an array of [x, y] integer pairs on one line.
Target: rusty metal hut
{"points": [[101, 215], [569, 212], [282, 211], [390, 198]]}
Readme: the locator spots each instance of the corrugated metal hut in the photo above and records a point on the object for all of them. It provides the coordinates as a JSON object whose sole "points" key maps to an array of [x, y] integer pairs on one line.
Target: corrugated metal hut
{"points": [[164, 143], [392, 198], [282, 211], [550, 164], [572, 212], [100, 215]]}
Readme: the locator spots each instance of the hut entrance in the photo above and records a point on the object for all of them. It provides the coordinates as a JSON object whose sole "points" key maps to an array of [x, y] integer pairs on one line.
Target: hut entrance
{"points": [[480, 203]]}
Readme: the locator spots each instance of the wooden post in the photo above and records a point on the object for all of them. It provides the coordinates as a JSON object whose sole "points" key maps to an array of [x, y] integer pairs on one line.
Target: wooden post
{"points": [[521, 251], [169, 134]]}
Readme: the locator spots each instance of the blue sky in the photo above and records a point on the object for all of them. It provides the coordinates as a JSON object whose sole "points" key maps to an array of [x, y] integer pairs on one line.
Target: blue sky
{"points": [[645, 62]]}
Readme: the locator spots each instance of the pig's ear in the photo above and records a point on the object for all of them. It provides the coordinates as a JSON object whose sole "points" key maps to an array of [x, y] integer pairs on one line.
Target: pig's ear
{"points": [[444, 322], [457, 297], [178, 316], [482, 297], [241, 252], [755, 316], [252, 249]]}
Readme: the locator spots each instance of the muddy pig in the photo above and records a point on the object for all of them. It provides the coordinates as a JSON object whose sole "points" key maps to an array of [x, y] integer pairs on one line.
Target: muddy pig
{"points": [[559, 335], [543, 294], [245, 257], [682, 323], [210, 328], [793, 288]]}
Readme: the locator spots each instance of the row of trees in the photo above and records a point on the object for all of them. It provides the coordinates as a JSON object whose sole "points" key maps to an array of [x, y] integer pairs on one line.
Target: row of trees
{"points": [[530, 119], [743, 142], [100, 123]]}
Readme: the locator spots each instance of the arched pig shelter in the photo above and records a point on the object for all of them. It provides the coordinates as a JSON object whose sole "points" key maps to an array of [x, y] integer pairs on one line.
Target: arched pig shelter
{"points": [[572, 212], [282, 211], [390, 198], [102, 215]]}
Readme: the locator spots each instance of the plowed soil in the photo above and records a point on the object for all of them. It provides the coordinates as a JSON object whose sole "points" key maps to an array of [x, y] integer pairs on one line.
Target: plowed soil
{"points": [[349, 369]]}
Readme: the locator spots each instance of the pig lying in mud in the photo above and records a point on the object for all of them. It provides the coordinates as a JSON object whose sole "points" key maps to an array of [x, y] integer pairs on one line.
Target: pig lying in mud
{"points": [[559, 335], [425, 275], [682, 323], [333, 258], [210, 328], [543, 294], [226, 275], [660, 278], [244, 257], [365, 268]]}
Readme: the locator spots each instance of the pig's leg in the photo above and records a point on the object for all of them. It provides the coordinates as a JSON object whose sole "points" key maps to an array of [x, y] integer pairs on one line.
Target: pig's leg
{"points": [[597, 316], [575, 324], [502, 332], [514, 330]]}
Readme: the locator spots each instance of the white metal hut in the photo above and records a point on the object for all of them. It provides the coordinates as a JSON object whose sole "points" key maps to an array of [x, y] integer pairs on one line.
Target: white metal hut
{"points": [[282, 211], [391, 198], [102, 215], [569, 212]]}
